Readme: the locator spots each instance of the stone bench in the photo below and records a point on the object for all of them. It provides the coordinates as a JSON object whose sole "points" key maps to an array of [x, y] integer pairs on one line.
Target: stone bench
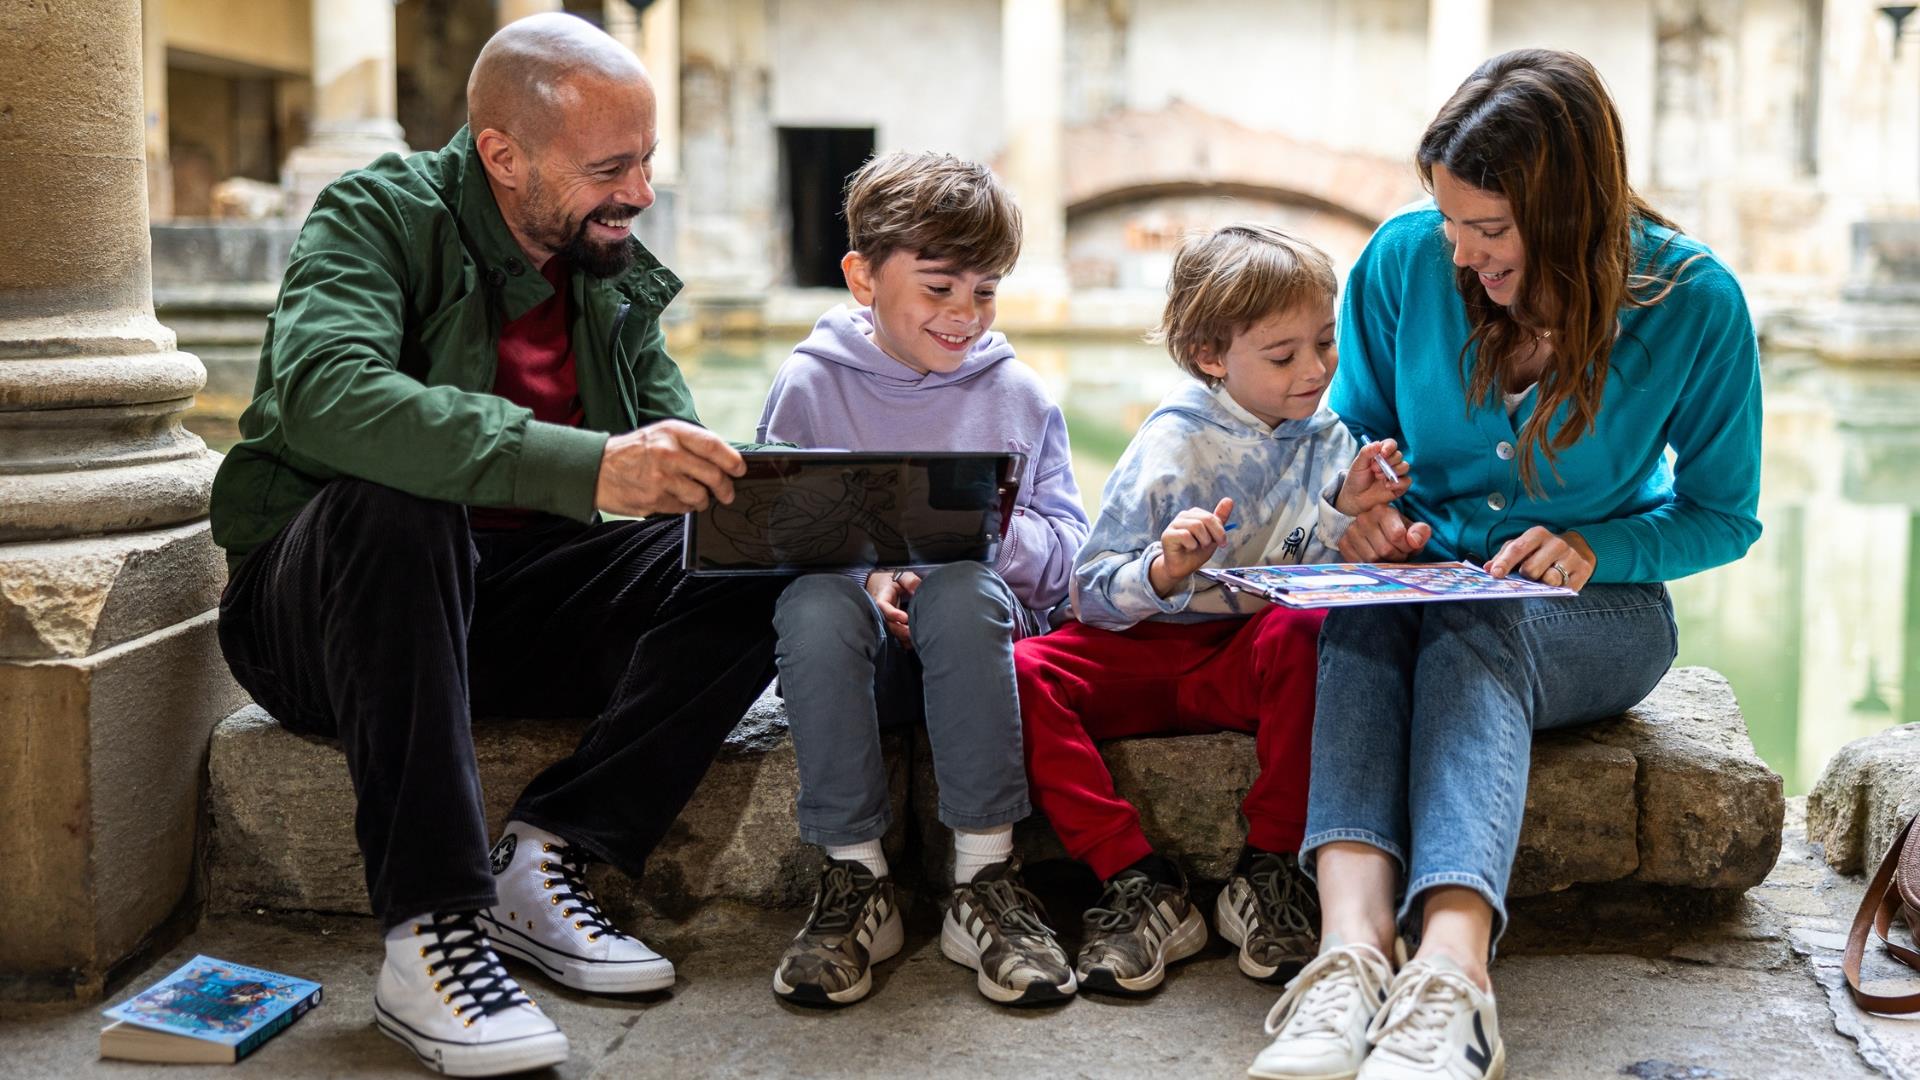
{"points": [[1670, 795]]}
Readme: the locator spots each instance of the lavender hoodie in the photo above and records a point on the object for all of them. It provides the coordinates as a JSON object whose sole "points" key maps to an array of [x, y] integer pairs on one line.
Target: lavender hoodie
{"points": [[839, 390]]}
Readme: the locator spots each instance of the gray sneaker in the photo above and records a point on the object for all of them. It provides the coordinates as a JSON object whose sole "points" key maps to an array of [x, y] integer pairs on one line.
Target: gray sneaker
{"points": [[854, 925], [999, 929], [1272, 912], [1139, 928]]}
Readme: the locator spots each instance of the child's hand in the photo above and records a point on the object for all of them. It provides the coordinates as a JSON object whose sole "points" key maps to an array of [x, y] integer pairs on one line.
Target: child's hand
{"points": [[1187, 545], [1366, 485], [890, 592]]}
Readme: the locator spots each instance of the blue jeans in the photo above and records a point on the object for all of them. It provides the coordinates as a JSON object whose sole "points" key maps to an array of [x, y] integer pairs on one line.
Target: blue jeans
{"points": [[1423, 727], [843, 678]]}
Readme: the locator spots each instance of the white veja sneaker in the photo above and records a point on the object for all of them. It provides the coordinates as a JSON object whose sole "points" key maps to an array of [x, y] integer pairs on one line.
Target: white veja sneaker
{"points": [[548, 917], [444, 993], [1436, 1025], [1319, 1025]]}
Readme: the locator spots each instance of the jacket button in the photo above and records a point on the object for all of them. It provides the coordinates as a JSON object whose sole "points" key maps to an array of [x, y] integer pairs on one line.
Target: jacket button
{"points": [[1496, 501], [516, 267], [1504, 451], [495, 278]]}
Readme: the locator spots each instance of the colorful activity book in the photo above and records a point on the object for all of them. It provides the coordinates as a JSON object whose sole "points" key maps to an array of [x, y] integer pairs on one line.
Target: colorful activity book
{"points": [[208, 1012], [1328, 585]]}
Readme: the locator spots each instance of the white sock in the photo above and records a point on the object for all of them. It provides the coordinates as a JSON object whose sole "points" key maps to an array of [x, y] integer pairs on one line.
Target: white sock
{"points": [[974, 851], [866, 852]]}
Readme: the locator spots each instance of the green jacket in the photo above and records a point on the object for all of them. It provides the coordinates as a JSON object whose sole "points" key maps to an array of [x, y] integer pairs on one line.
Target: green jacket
{"points": [[380, 353]]}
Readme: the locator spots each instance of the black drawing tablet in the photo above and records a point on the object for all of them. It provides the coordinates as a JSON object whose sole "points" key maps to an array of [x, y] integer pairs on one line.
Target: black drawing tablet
{"points": [[807, 510]]}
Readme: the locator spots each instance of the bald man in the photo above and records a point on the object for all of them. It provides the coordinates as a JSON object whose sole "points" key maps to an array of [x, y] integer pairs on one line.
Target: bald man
{"points": [[465, 366]]}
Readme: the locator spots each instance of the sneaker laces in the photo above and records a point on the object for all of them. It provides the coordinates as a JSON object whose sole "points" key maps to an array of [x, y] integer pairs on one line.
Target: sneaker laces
{"points": [[1121, 905], [841, 899], [1412, 1024], [1315, 1001], [474, 981], [566, 867], [1014, 907], [1282, 895]]}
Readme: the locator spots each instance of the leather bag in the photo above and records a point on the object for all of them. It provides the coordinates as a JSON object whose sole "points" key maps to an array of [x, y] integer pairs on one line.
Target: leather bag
{"points": [[1893, 893]]}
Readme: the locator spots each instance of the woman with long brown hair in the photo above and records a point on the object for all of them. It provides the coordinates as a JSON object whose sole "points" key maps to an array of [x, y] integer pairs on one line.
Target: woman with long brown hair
{"points": [[1537, 338]]}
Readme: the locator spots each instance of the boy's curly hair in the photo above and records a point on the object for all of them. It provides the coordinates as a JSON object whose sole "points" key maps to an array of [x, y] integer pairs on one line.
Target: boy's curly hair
{"points": [[936, 206], [1225, 281]]}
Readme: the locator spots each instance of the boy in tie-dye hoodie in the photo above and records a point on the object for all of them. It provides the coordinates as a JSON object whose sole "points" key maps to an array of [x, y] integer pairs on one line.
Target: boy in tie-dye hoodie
{"points": [[1242, 466]]}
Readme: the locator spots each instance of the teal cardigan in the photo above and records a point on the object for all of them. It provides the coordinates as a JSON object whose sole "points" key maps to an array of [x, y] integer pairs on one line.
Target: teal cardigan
{"points": [[1685, 375]]}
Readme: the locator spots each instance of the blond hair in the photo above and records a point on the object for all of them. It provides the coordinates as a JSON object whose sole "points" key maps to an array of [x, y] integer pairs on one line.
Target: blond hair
{"points": [[936, 206], [1225, 281]]}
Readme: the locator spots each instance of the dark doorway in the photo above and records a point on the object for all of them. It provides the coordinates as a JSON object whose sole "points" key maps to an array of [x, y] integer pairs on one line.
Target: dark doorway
{"points": [[816, 163]]}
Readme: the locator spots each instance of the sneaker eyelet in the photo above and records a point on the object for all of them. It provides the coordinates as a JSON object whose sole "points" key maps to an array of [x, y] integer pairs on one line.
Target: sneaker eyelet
{"points": [[579, 926], [418, 929], [448, 1000], [546, 847], [513, 916], [595, 936], [456, 1010], [469, 1022], [436, 988], [423, 952], [546, 884], [551, 899], [546, 868]]}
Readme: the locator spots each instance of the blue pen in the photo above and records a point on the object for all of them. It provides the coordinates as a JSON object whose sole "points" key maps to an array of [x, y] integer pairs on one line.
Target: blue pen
{"points": [[1231, 526]]}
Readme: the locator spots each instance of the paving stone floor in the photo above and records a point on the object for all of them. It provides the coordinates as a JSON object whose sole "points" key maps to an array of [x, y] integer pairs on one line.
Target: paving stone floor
{"points": [[1753, 996]]}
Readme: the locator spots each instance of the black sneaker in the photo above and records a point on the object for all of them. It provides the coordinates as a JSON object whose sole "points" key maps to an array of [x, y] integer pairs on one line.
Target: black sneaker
{"points": [[854, 925], [999, 929], [1141, 925], [1272, 912]]}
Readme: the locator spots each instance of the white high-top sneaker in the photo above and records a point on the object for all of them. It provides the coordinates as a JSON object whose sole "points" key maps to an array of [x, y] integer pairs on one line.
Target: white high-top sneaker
{"points": [[547, 916], [1436, 1025], [1319, 1025], [444, 993]]}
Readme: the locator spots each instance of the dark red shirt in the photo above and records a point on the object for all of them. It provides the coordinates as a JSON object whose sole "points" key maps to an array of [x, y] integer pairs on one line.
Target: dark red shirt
{"points": [[536, 370]]}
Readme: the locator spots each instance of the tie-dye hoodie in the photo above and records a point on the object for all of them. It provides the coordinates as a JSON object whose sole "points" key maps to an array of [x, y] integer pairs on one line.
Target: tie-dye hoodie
{"points": [[1198, 447]]}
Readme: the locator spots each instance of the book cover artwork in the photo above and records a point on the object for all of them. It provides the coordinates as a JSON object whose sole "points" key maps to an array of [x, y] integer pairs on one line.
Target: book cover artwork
{"points": [[214, 1000], [1323, 585]]}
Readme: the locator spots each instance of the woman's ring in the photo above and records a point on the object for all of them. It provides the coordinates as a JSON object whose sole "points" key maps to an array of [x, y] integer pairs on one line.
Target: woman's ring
{"points": [[1564, 576]]}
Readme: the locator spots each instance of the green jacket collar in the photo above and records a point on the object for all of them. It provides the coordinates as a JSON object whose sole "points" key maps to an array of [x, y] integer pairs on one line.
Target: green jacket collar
{"points": [[646, 284]]}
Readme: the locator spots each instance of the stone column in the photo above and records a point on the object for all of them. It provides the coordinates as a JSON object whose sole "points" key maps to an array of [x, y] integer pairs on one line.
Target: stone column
{"points": [[153, 66], [354, 98], [1032, 35], [655, 38], [511, 10], [110, 675], [1458, 32]]}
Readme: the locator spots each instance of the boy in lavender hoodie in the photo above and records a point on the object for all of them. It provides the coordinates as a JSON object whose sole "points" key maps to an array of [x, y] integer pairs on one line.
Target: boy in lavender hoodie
{"points": [[916, 368]]}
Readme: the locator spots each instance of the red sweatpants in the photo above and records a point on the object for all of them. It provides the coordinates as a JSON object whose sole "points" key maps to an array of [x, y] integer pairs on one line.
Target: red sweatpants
{"points": [[1079, 684]]}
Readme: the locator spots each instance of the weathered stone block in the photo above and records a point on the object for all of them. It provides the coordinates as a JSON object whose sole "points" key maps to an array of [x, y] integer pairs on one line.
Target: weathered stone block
{"points": [[100, 767], [283, 817], [69, 598], [1710, 809], [1581, 818], [1863, 796]]}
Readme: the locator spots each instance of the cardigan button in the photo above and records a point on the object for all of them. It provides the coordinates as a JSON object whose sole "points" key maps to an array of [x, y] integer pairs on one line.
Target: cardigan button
{"points": [[516, 267], [495, 278], [1504, 451], [1496, 501]]}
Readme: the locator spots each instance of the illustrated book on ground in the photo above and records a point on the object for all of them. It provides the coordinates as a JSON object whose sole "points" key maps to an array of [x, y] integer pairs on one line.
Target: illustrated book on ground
{"points": [[1329, 585], [208, 1012], [813, 510]]}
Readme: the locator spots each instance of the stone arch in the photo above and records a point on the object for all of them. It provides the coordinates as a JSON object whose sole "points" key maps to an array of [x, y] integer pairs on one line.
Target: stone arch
{"points": [[1181, 149]]}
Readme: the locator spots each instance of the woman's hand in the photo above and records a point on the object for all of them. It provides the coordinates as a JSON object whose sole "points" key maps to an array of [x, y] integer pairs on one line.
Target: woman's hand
{"points": [[1383, 534], [1366, 485], [890, 592], [1188, 543], [1547, 557]]}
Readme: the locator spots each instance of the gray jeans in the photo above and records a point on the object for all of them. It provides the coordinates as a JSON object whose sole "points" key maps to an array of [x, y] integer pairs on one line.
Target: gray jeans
{"points": [[844, 679]]}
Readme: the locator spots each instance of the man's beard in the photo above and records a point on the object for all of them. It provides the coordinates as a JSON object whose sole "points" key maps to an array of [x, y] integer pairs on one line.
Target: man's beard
{"points": [[572, 244]]}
